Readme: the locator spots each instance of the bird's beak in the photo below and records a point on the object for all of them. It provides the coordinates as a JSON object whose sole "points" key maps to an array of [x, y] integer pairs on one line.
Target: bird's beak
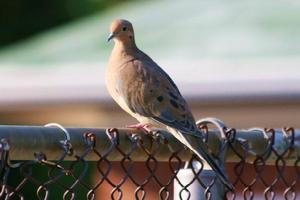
{"points": [[111, 36]]}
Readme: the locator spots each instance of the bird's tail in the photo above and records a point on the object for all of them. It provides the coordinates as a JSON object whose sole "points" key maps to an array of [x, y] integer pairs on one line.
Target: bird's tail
{"points": [[197, 146]]}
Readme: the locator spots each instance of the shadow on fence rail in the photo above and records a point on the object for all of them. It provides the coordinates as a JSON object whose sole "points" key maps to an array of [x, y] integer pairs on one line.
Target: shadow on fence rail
{"points": [[52, 162]]}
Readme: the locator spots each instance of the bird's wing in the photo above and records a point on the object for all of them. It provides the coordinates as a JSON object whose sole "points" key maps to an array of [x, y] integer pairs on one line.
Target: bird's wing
{"points": [[150, 92]]}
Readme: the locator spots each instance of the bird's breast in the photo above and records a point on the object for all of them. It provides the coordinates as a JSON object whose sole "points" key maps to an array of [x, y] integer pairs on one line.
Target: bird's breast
{"points": [[112, 82]]}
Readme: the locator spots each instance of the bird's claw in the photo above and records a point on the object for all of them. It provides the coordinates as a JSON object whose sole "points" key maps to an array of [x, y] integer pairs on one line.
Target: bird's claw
{"points": [[143, 127]]}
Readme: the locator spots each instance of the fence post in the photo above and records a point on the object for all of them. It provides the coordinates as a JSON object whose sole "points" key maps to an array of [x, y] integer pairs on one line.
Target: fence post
{"points": [[195, 191]]}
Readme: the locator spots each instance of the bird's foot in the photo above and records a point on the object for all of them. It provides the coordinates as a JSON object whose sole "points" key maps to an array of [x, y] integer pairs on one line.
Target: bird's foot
{"points": [[142, 127]]}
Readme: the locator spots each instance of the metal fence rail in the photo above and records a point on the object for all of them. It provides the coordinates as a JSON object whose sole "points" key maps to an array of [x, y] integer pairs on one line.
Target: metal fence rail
{"points": [[69, 157]]}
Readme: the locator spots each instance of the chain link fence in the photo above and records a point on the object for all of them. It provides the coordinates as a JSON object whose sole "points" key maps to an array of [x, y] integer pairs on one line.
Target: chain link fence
{"points": [[54, 162]]}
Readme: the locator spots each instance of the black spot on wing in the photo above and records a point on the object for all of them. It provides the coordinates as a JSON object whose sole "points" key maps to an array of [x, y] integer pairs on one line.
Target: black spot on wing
{"points": [[182, 107], [174, 104], [160, 98], [173, 95]]}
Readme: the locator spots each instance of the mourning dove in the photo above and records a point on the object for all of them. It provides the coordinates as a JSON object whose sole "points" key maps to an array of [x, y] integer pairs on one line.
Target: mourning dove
{"points": [[146, 92]]}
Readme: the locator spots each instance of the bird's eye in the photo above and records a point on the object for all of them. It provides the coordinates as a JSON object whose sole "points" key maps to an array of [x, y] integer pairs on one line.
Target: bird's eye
{"points": [[124, 28]]}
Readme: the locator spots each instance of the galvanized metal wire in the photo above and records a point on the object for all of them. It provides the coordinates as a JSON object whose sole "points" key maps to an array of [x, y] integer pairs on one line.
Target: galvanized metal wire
{"points": [[79, 165]]}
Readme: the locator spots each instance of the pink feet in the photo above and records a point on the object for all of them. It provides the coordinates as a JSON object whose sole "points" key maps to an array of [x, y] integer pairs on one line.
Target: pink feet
{"points": [[140, 126]]}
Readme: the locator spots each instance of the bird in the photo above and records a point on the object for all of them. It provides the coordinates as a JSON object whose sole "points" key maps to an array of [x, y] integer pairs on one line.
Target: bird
{"points": [[145, 91]]}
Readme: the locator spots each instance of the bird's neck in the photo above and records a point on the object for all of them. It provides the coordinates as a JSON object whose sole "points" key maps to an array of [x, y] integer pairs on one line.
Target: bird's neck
{"points": [[125, 47]]}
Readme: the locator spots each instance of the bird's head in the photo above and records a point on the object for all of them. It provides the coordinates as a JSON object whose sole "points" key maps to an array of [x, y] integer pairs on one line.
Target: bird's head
{"points": [[121, 30]]}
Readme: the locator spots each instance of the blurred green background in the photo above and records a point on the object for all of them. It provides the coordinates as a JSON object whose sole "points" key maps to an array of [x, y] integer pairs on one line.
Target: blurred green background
{"points": [[20, 19]]}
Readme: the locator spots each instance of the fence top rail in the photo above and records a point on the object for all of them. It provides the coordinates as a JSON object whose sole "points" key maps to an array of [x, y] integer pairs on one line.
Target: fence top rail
{"points": [[24, 142]]}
